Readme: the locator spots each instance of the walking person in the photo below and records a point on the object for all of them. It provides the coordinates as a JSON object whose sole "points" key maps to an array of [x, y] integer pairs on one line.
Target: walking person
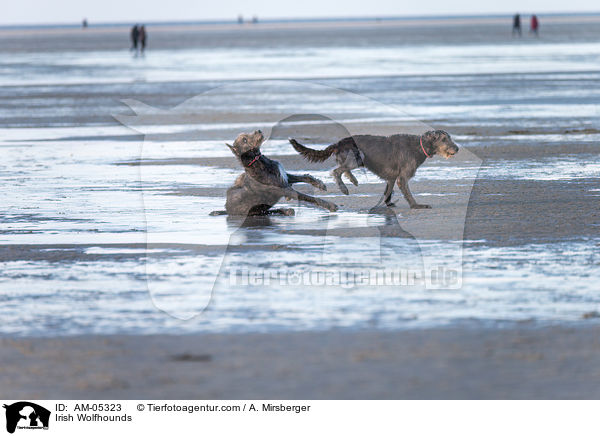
{"points": [[134, 35], [516, 25], [535, 24], [142, 37]]}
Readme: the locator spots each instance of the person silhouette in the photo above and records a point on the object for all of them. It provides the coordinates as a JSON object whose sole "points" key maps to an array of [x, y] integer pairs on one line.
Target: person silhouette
{"points": [[135, 33], [535, 24], [143, 35], [516, 25]]}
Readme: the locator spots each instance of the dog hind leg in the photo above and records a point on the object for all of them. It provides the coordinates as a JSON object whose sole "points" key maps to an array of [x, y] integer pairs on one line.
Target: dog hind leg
{"points": [[260, 210], [347, 161], [387, 194], [283, 211], [351, 177], [337, 175]]}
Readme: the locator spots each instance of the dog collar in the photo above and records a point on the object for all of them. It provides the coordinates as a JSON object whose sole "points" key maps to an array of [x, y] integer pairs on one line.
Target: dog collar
{"points": [[423, 148], [254, 160]]}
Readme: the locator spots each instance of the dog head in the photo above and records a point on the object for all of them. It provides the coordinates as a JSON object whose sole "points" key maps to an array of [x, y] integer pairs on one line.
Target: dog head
{"points": [[27, 413], [246, 142], [439, 142]]}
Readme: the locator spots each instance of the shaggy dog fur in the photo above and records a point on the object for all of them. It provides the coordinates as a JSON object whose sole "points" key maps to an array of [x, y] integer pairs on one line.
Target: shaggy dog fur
{"points": [[394, 158], [264, 182]]}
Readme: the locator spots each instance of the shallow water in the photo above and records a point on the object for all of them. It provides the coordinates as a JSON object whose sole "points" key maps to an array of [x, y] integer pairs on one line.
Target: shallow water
{"points": [[499, 285], [76, 220]]}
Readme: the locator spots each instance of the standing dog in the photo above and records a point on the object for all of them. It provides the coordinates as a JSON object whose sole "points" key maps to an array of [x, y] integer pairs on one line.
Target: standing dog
{"points": [[264, 182], [393, 158]]}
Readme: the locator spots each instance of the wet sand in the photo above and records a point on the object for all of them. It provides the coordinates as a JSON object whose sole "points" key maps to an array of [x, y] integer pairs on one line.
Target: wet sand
{"points": [[512, 359], [454, 363], [500, 212]]}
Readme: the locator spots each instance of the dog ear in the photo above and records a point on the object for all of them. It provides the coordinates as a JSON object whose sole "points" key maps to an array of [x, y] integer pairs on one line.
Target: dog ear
{"points": [[432, 135], [233, 150], [442, 134]]}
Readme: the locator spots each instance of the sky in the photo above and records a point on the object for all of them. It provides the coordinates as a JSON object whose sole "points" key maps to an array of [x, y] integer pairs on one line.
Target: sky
{"points": [[103, 11]]}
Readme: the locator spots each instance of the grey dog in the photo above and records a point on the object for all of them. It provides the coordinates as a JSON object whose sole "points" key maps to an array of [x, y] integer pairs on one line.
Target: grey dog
{"points": [[264, 182], [393, 158]]}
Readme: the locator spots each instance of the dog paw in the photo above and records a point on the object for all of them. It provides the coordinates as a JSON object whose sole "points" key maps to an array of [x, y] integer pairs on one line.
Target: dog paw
{"points": [[321, 185], [289, 212], [331, 207], [390, 204], [420, 206], [344, 190]]}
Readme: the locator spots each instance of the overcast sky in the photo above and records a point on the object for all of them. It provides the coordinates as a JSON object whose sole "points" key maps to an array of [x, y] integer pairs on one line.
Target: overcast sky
{"points": [[72, 11]]}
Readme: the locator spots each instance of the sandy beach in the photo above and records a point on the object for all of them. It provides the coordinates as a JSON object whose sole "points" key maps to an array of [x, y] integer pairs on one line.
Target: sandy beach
{"points": [[453, 363], [114, 280]]}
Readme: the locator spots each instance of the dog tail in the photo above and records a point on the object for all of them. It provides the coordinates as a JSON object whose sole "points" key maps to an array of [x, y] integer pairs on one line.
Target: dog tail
{"points": [[321, 155], [313, 155], [218, 212]]}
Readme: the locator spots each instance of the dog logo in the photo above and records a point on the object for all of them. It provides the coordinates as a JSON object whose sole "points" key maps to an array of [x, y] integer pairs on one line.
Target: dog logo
{"points": [[26, 415]]}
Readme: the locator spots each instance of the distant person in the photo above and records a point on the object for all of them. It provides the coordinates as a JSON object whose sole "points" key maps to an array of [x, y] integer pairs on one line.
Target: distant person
{"points": [[254, 19], [135, 34], [143, 37], [516, 25], [84, 23], [535, 24], [240, 19]]}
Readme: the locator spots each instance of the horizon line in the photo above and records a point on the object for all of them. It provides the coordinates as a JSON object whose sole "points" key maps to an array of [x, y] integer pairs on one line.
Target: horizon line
{"points": [[351, 18]]}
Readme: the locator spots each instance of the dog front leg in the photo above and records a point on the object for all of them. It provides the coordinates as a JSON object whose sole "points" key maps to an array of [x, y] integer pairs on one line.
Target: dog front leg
{"points": [[295, 195], [307, 178], [403, 185]]}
